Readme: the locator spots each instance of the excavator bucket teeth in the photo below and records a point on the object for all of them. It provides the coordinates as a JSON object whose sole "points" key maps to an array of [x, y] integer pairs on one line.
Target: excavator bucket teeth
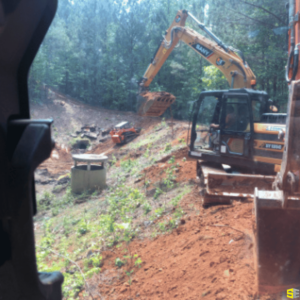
{"points": [[154, 104], [277, 232]]}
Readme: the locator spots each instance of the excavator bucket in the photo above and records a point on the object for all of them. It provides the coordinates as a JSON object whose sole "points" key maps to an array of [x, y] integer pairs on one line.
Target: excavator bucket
{"points": [[277, 233], [154, 104]]}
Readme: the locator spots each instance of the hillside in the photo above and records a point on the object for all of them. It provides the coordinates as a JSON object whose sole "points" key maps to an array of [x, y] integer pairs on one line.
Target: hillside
{"points": [[146, 236]]}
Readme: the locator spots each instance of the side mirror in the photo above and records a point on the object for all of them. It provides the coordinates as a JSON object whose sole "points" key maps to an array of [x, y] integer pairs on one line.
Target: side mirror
{"points": [[273, 108]]}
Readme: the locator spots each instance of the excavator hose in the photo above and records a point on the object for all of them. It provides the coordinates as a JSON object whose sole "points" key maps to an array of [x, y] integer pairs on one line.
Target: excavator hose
{"points": [[294, 50], [291, 56]]}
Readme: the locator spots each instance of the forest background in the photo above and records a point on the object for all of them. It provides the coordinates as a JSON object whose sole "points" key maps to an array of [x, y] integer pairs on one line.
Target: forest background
{"points": [[97, 50]]}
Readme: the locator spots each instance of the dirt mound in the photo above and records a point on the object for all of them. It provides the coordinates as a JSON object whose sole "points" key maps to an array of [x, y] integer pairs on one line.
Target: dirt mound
{"points": [[210, 255]]}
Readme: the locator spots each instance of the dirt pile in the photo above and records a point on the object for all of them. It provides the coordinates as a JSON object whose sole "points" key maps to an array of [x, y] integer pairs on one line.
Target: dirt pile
{"points": [[105, 147]]}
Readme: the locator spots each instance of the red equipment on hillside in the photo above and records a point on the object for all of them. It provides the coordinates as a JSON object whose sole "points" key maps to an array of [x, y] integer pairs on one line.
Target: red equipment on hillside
{"points": [[123, 133]]}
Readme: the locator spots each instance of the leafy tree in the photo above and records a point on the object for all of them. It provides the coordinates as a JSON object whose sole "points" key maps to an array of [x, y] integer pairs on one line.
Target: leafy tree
{"points": [[96, 51]]}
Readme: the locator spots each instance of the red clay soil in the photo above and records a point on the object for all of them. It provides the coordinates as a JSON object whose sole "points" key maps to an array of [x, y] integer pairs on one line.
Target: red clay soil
{"points": [[184, 170], [60, 161], [208, 256], [182, 135]]}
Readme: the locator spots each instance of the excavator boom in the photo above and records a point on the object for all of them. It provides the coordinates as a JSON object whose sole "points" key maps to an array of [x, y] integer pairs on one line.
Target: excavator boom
{"points": [[226, 59]]}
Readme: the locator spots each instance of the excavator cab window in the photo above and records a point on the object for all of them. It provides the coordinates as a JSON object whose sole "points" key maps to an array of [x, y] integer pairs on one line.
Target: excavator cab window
{"points": [[206, 112], [235, 114], [257, 110], [235, 125]]}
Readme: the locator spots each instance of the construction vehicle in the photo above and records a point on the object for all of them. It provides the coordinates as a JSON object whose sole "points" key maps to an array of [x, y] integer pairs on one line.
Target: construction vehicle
{"points": [[235, 127], [123, 133], [229, 61]]}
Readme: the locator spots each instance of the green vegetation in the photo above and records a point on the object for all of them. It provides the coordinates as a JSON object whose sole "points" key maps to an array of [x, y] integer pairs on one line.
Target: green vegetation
{"points": [[75, 58], [168, 147], [110, 224], [71, 236], [119, 263], [181, 141], [171, 160]]}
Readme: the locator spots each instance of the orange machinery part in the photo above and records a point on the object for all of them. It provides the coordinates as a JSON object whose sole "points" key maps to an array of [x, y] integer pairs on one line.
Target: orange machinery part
{"points": [[117, 135], [297, 38], [297, 32]]}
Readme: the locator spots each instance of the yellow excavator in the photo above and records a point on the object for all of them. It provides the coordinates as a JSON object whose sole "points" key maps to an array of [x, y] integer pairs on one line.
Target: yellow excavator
{"points": [[235, 127]]}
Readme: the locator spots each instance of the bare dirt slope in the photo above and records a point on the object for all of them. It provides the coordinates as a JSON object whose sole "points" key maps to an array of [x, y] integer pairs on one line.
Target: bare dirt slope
{"points": [[69, 116], [209, 255]]}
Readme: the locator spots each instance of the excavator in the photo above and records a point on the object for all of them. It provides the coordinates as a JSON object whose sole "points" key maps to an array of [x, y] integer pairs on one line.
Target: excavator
{"points": [[240, 143], [237, 127]]}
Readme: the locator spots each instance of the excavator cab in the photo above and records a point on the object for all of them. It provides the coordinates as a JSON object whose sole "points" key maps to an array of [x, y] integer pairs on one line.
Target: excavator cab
{"points": [[222, 126], [227, 135]]}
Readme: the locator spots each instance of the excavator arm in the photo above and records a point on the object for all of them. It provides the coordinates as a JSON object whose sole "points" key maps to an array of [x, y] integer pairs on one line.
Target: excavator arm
{"points": [[226, 59]]}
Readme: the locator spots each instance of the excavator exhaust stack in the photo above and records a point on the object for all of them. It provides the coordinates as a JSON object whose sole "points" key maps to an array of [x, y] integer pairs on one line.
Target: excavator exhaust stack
{"points": [[154, 104]]}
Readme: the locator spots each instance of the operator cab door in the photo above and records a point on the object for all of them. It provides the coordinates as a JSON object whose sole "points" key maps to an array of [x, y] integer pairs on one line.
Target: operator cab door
{"points": [[206, 111], [235, 126]]}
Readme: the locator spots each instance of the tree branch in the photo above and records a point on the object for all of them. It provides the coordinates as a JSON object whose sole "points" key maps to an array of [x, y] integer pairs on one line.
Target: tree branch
{"points": [[265, 10], [255, 20]]}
